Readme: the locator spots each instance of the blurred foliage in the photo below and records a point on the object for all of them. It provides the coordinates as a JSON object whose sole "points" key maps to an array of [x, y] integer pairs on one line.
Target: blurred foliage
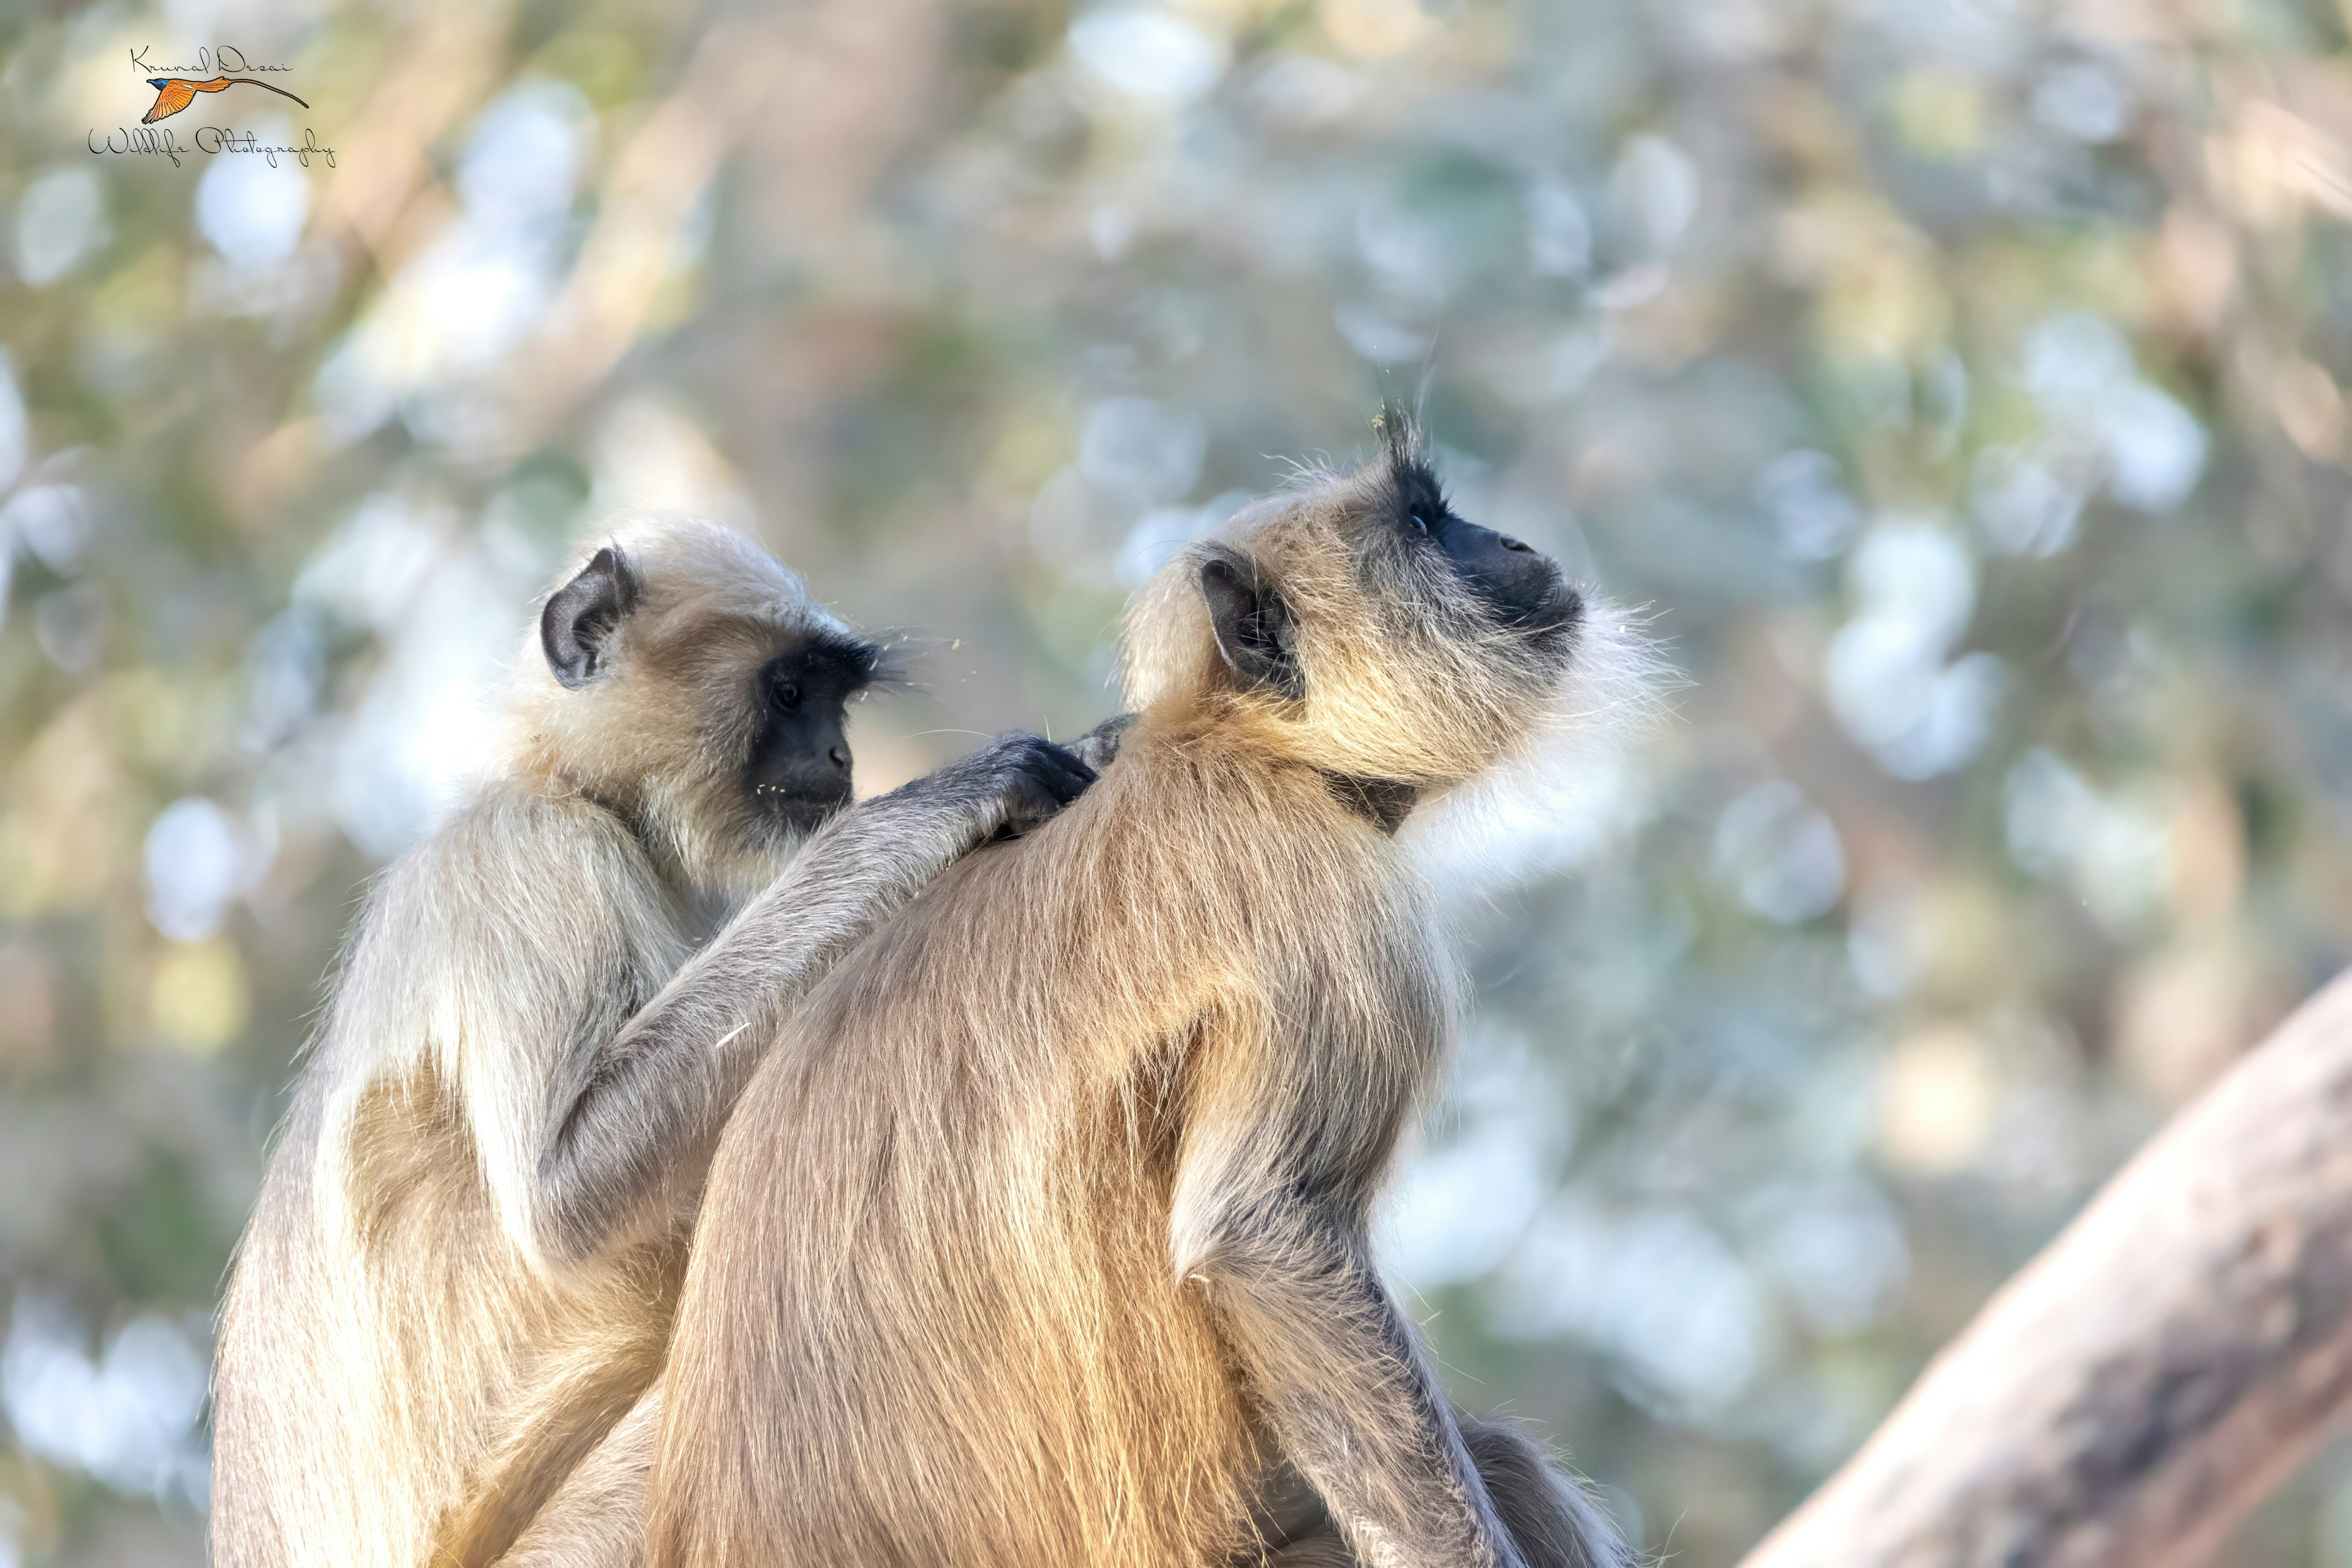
{"points": [[1959, 381]]}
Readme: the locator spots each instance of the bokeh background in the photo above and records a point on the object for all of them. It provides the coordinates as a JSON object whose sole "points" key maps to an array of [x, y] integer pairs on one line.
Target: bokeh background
{"points": [[1957, 380]]}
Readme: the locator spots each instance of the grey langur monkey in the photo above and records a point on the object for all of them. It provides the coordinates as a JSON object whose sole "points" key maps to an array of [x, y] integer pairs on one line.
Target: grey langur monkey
{"points": [[478, 1211], [1043, 1236]]}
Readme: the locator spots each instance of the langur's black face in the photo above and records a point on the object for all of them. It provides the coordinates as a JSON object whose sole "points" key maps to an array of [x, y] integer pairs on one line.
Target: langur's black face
{"points": [[762, 691], [1399, 643], [1441, 578], [799, 769], [1523, 590]]}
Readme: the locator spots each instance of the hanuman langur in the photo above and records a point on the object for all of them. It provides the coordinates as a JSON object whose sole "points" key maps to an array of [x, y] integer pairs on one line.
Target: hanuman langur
{"points": [[496, 1146], [1042, 1239]]}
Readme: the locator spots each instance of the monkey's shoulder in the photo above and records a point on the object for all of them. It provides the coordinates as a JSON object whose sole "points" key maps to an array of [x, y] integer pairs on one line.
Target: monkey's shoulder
{"points": [[510, 819], [517, 895], [508, 850]]}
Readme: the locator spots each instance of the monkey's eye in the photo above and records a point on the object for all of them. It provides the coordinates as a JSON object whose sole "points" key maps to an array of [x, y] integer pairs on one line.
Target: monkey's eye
{"points": [[785, 694], [1419, 523]]}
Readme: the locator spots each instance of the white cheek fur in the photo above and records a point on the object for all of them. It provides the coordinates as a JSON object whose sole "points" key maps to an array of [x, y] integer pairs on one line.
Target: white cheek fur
{"points": [[1569, 785]]}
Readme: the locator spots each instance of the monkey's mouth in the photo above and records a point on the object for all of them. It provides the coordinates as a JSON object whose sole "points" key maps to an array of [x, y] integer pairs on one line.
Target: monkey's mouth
{"points": [[1544, 621], [798, 810], [1527, 594], [1561, 610]]}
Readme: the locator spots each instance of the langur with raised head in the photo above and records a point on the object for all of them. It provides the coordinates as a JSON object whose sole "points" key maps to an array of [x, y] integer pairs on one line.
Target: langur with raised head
{"points": [[461, 1268], [1042, 1238]]}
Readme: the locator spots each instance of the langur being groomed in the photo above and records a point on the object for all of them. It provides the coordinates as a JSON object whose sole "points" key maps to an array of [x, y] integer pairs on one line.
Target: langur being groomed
{"points": [[461, 1270], [1040, 1240]]}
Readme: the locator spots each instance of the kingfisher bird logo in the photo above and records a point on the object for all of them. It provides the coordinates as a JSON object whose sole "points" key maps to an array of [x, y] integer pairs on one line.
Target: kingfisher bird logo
{"points": [[174, 93]]}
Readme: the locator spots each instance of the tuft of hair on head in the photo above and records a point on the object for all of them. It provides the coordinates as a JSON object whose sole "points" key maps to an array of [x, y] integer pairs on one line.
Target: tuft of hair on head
{"points": [[1403, 441]]}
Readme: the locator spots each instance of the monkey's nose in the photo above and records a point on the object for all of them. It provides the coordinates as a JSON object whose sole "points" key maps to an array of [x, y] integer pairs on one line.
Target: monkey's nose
{"points": [[1511, 543], [840, 755]]}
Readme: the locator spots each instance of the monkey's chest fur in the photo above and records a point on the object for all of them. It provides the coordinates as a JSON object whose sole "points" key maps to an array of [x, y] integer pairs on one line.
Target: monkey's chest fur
{"points": [[937, 1309]]}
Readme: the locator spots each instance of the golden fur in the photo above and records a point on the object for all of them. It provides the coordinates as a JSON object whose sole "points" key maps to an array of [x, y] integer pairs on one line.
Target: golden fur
{"points": [[1040, 1238]]}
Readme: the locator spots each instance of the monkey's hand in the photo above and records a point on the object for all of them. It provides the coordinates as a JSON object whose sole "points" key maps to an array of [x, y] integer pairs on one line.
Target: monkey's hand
{"points": [[1038, 778], [1010, 785], [1098, 747]]}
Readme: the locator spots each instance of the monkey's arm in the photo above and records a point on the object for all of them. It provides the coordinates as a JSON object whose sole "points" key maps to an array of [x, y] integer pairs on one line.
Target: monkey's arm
{"points": [[1289, 1119], [630, 1129]]}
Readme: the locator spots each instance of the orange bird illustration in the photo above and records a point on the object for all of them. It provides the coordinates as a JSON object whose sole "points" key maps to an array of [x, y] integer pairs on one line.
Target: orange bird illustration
{"points": [[174, 93]]}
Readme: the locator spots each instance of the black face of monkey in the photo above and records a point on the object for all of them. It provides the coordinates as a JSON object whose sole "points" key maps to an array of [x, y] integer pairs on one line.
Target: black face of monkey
{"points": [[799, 769], [1524, 589], [1408, 535]]}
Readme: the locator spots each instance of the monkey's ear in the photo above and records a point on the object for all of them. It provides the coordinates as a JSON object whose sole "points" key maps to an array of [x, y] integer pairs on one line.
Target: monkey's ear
{"points": [[1253, 624], [577, 625]]}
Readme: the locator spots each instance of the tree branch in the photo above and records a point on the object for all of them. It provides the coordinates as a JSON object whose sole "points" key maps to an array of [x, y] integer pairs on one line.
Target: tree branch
{"points": [[2162, 1366]]}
